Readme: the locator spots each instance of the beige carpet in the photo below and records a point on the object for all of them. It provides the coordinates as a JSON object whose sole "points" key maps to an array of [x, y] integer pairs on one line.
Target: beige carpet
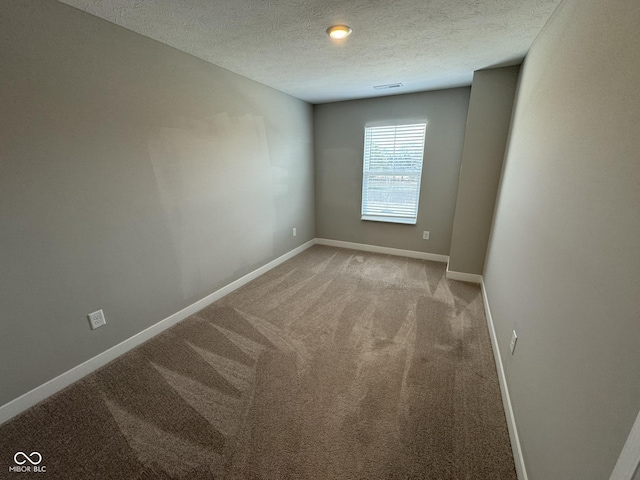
{"points": [[338, 364]]}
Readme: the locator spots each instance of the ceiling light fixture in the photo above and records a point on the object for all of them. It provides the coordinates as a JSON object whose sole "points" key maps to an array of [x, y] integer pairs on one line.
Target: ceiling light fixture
{"points": [[339, 32]]}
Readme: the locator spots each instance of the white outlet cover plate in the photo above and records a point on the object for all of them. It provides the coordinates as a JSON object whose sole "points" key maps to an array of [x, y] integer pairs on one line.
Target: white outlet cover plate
{"points": [[96, 319], [514, 339], [425, 235]]}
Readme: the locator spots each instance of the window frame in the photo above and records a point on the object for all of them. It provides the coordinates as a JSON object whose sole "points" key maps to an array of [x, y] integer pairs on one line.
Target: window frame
{"points": [[368, 210]]}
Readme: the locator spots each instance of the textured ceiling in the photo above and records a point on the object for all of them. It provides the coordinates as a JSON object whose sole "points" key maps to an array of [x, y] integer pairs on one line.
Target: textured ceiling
{"points": [[423, 44]]}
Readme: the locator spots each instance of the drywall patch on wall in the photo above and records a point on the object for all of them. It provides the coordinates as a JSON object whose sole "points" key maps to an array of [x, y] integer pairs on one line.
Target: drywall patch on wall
{"points": [[196, 166], [281, 181]]}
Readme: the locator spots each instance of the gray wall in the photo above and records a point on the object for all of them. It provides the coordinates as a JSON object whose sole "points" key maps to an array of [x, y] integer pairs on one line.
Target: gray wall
{"points": [[134, 178], [488, 122], [339, 141], [563, 261]]}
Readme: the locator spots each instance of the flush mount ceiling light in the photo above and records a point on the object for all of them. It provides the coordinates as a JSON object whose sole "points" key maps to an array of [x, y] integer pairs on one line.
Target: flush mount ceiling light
{"points": [[339, 31]]}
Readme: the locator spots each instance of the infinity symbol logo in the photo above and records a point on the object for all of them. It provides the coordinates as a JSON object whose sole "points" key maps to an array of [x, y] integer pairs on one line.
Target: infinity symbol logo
{"points": [[28, 458]]}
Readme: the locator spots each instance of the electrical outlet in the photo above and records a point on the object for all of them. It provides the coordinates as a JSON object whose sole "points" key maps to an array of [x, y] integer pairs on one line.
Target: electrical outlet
{"points": [[295, 231], [514, 339], [96, 319], [425, 235]]}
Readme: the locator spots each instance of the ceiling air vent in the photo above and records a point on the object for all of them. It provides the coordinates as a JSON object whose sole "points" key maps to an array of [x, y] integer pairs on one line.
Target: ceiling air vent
{"points": [[385, 87]]}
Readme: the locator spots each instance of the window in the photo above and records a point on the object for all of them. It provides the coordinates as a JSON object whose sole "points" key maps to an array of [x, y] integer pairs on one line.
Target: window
{"points": [[392, 169]]}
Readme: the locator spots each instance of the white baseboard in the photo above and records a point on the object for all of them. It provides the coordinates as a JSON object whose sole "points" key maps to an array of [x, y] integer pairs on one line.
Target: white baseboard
{"points": [[434, 257], [506, 399], [628, 464], [56, 384], [463, 277]]}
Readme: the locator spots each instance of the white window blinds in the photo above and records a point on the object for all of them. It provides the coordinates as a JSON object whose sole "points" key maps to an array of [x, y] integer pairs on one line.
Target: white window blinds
{"points": [[392, 169]]}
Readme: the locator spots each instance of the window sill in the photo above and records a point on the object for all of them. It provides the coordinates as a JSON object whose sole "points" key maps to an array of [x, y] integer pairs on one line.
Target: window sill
{"points": [[406, 221]]}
